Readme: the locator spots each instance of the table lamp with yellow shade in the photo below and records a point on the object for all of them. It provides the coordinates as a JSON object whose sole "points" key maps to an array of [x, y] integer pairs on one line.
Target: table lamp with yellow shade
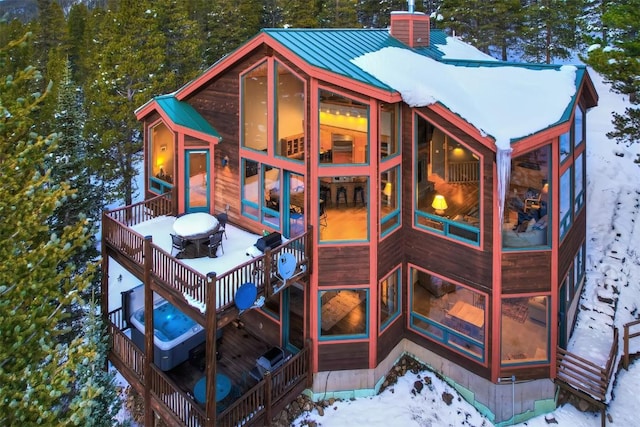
{"points": [[439, 204]]}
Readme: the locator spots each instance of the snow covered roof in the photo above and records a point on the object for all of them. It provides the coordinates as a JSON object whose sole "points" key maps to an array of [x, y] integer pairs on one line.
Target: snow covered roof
{"points": [[505, 100]]}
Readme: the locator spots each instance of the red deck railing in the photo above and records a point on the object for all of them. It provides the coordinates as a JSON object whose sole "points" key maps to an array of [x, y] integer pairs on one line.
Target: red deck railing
{"points": [[270, 394]]}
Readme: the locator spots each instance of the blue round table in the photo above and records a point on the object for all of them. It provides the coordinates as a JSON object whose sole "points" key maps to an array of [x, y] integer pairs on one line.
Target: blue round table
{"points": [[223, 387]]}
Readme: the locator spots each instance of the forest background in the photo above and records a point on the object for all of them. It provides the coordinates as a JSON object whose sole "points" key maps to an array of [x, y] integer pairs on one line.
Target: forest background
{"points": [[73, 72]]}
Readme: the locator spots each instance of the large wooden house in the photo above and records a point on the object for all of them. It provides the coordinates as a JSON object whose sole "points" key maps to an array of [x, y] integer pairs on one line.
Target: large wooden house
{"points": [[415, 231]]}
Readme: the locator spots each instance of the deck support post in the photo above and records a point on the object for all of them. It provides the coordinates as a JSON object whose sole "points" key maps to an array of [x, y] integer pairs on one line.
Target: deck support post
{"points": [[267, 399], [148, 330], [210, 353]]}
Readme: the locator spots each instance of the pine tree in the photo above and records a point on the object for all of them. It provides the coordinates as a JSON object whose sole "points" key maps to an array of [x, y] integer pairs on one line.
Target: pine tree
{"points": [[183, 43], [339, 14], [472, 21], [302, 13], [231, 24], [37, 283], [618, 62], [96, 394], [128, 57], [69, 162], [550, 29], [78, 28], [377, 13]]}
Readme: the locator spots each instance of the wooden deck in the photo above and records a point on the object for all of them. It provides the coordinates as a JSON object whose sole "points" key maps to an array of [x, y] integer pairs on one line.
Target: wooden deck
{"points": [[170, 394], [238, 350]]}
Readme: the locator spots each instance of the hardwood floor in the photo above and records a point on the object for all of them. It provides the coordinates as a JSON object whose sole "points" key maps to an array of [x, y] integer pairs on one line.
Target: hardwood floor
{"points": [[462, 199], [345, 223]]}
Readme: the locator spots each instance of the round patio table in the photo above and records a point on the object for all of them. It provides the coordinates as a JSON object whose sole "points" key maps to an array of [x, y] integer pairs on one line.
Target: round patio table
{"points": [[197, 225], [223, 387]]}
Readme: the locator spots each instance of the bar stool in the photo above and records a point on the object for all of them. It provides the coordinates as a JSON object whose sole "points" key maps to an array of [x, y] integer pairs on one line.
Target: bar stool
{"points": [[358, 192], [342, 196], [325, 194]]}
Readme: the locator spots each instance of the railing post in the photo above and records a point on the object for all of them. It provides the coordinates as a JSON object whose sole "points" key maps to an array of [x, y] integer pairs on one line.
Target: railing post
{"points": [[267, 398], [625, 362], [210, 352], [267, 273], [148, 331]]}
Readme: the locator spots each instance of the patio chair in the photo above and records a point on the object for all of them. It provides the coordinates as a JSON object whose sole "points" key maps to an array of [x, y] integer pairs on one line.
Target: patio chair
{"points": [[178, 242], [215, 242], [222, 220]]}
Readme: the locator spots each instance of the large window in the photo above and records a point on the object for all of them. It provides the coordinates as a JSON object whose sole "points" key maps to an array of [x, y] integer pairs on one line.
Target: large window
{"points": [[565, 146], [290, 106], [578, 181], [388, 131], [447, 184], [449, 313], [389, 295], [526, 218], [525, 332], [161, 159], [343, 203], [565, 201], [578, 127], [255, 96], [344, 127], [390, 200], [260, 198], [344, 313]]}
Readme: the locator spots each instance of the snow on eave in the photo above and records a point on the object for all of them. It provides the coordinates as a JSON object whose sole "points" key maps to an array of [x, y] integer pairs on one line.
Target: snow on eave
{"points": [[506, 102]]}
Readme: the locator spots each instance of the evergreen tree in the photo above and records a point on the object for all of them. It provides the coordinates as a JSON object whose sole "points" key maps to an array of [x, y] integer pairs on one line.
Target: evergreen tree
{"points": [[618, 62], [377, 13], [302, 13], [271, 14], [339, 14], [472, 21], [20, 56], [96, 395], [120, 82], [591, 19], [231, 24], [183, 43], [69, 162], [37, 283], [79, 36], [550, 29]]}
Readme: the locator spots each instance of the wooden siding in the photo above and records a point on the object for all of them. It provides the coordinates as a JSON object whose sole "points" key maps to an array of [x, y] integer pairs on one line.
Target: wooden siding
{"points": [[528, 271], [571, 243], [390, 337], [391, 252], [219, 103], [343, 265], [342, 356], [262, 325]]}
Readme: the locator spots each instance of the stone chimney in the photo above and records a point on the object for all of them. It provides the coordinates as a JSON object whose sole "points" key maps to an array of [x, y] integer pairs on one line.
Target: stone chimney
{"points": [[411, 28]]}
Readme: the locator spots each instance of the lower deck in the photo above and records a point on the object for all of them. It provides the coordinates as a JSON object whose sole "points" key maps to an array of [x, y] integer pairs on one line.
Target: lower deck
{"points": [[237, 352]]}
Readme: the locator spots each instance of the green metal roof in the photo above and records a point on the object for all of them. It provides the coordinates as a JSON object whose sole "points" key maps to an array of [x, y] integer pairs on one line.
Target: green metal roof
{"points": [[185, 115], [333, 50]]}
